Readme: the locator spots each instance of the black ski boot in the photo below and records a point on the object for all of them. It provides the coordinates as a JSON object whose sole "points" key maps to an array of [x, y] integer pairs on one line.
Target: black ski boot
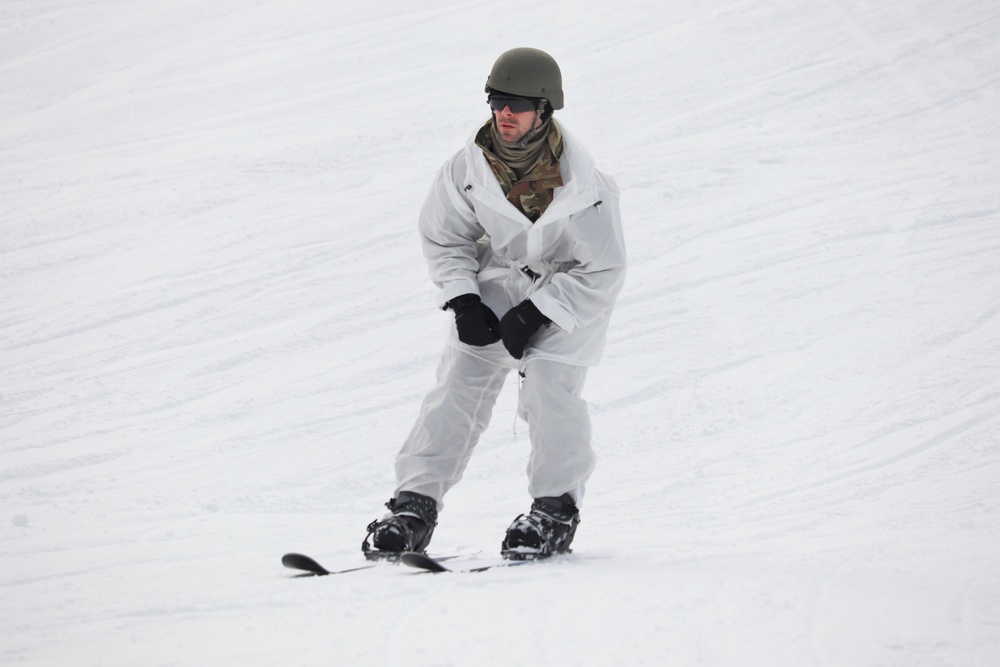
{"points": [[408, 527], [546, 530]]}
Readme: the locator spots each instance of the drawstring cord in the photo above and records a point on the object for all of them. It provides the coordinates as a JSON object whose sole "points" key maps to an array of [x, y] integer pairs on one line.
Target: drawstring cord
{"points": [[520, 381]]}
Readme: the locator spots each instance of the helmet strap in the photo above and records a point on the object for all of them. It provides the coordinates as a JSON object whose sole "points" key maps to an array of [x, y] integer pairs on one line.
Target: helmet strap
{"points": [[544, 109]]}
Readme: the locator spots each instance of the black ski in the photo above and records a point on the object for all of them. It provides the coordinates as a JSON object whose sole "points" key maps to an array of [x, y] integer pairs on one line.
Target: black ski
{"points": [[310, 567], [429, 564]]}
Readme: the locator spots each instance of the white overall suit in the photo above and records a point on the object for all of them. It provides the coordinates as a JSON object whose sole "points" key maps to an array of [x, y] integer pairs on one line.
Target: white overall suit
{"points": [[571, 263]]}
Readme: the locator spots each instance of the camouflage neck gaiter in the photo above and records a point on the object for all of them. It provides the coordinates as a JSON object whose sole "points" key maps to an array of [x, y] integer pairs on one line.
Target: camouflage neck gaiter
{"points": [[532, 190], [522, 155]]}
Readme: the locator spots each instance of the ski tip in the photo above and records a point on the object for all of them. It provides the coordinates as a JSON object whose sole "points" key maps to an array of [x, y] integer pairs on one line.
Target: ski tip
{"points": [[422, 562], [305, 563]]}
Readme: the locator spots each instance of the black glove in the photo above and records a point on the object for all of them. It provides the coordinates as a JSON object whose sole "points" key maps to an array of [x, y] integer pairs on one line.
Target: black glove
{"points": [[476, 323], [518, 326]]}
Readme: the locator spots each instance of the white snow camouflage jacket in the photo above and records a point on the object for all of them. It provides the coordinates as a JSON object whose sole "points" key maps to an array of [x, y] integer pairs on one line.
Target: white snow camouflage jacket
{"points": [[475, 241]]}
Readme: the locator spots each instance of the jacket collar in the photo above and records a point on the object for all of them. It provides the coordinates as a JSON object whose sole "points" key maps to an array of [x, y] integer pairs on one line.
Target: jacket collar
{"points": [[578, 192]]}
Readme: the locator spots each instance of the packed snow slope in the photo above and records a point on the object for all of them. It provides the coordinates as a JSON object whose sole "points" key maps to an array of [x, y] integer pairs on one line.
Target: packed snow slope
{"points": [[216, 329]]}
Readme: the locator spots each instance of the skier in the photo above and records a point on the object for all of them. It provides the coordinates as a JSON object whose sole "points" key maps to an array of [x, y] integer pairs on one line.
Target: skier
{"points": [[522, 235]]}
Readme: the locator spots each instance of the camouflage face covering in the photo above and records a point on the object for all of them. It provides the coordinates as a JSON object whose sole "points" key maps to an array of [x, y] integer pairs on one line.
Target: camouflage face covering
{"points": [[532, 192]]}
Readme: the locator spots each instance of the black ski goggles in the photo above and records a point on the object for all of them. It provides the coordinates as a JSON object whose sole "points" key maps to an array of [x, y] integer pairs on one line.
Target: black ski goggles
{"points": [[516, 104]]}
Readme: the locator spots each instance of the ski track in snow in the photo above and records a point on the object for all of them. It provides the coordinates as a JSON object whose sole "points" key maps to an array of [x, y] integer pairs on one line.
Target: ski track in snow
{"points": [[216, 329]]}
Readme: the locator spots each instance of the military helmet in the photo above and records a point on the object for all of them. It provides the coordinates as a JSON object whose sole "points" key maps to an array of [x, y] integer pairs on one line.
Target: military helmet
{"points": [[527, 72]]}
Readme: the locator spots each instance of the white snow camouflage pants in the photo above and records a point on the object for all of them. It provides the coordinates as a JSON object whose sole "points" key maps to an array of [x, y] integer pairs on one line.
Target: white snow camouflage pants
{"points": [[458, 408]]}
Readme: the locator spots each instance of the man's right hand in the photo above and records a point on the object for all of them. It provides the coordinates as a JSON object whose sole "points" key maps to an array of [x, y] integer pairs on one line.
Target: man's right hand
{"points": [[477, 325]]}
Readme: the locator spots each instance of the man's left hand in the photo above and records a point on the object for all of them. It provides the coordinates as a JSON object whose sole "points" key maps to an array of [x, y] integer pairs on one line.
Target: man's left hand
{"points": [[518, 325]]}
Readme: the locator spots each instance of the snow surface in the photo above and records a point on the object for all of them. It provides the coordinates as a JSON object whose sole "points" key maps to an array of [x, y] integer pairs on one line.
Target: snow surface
{"points": [[216, 329]]}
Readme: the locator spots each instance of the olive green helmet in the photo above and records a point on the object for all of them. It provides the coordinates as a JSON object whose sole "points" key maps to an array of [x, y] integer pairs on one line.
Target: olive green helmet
{"points": [[527, 73]]}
